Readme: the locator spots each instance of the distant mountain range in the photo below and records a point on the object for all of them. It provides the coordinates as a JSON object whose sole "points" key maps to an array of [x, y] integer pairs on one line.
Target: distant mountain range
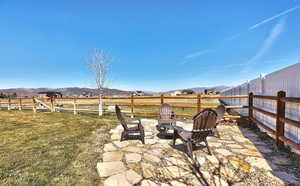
{"points": [[69, 91], [76, 91]]}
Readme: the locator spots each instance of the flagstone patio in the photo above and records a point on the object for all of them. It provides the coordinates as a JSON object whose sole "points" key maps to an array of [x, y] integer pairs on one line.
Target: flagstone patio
{"points": [[240, 157]]}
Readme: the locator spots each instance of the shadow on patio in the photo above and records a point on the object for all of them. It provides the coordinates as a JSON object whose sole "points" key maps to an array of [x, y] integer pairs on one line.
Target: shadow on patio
{"points": [[239, 157]]}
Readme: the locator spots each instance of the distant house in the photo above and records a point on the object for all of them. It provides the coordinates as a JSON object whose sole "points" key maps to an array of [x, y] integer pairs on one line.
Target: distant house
{"points": [[49, 94], [138, 93], [187, 91], [3, 95], [86, 94], [211, 91], [176, 93]]}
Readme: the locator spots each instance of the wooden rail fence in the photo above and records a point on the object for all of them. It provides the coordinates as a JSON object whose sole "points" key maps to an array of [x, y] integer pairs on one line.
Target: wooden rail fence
{"points": [[52, 102], [279, 116], [281, 100]]}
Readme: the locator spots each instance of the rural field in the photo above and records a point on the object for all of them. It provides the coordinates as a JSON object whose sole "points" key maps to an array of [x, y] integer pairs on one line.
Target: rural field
{"points": [[51, 148]]}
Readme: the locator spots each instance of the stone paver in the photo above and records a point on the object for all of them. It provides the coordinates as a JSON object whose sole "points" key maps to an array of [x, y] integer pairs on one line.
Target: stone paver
{"points": [[133, 149], [200, 159], [121, 144], [173, 172], [109, 147], [177, 183], [259, 163], [239, 164], [115, 137], [148, 170], [151, 158], [117, 179], [110, 168], [234, 146], [212, 159], [112, 156], [224, 152], [133, 177], [123, 179], [214, 144], [148, 183], [239, 157], [133, 157]]}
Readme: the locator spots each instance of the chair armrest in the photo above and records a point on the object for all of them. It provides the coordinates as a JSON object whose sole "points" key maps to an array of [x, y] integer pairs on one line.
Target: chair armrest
{"points": [[129, 120], [180, 129]]}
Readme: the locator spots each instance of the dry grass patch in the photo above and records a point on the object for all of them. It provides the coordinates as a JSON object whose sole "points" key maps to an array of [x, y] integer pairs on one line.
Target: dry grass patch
{"points": [[51, 148]]}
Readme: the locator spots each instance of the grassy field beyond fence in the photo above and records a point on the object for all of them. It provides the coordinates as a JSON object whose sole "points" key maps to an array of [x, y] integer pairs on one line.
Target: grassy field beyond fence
{"points": [[184, 106], [142, 103]]}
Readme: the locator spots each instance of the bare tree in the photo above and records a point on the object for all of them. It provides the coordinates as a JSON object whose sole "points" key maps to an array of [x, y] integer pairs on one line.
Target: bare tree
{"points": [[99, 64]]}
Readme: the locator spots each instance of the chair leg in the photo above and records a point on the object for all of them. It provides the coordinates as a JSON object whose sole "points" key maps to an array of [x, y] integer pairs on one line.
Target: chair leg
{"points": [[206, 143], [122, 136], [142, 137], [174, 138], [190, 149], [216, 132]]}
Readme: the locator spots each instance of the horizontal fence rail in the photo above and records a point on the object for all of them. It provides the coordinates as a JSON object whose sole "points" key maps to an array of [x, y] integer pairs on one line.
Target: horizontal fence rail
{"points": [[73, 104], [281, 100]]}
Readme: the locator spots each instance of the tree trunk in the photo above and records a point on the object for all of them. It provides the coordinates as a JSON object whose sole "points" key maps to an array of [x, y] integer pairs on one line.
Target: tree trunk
{"points": [[100, 105]]}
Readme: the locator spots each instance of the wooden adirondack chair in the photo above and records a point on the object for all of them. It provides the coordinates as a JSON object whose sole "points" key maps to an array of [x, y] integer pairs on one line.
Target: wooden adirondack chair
{"points": [[136, 130], [166, 118], [204, 123]]}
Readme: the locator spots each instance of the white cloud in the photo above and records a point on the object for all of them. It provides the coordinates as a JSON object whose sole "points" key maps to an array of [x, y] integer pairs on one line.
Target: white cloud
{"points": [[274, 17], [267, 44], [197, 54], [264, 22]]}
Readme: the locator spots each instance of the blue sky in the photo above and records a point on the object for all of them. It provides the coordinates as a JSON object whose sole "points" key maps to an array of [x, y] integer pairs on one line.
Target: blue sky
{"points": [[156, 45]]}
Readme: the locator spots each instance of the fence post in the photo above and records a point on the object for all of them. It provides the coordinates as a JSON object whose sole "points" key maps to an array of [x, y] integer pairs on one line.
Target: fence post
{"points": [[9, 103], [280, 114], [52, 104], [33, 104], [20, 104], [161, 99], [74, 104], [198, 103], [250, 107], [132, 102]]}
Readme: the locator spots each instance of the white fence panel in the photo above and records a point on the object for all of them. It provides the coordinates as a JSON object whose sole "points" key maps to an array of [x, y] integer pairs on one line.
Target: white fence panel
{"points": [[288, 80]]}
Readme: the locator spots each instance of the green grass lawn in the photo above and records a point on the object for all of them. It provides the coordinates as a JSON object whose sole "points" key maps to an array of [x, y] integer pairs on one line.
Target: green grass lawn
{"points": [[51, 148]]}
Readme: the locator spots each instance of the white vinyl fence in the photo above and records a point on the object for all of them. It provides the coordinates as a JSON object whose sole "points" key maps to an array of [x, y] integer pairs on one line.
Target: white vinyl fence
{"points": [[288, 80]]}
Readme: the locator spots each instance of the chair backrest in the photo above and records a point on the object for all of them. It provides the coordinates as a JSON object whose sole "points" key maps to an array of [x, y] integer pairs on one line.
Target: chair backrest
{"points": [[205, 120], [121, 117], [220, 110], [165, 111]]}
